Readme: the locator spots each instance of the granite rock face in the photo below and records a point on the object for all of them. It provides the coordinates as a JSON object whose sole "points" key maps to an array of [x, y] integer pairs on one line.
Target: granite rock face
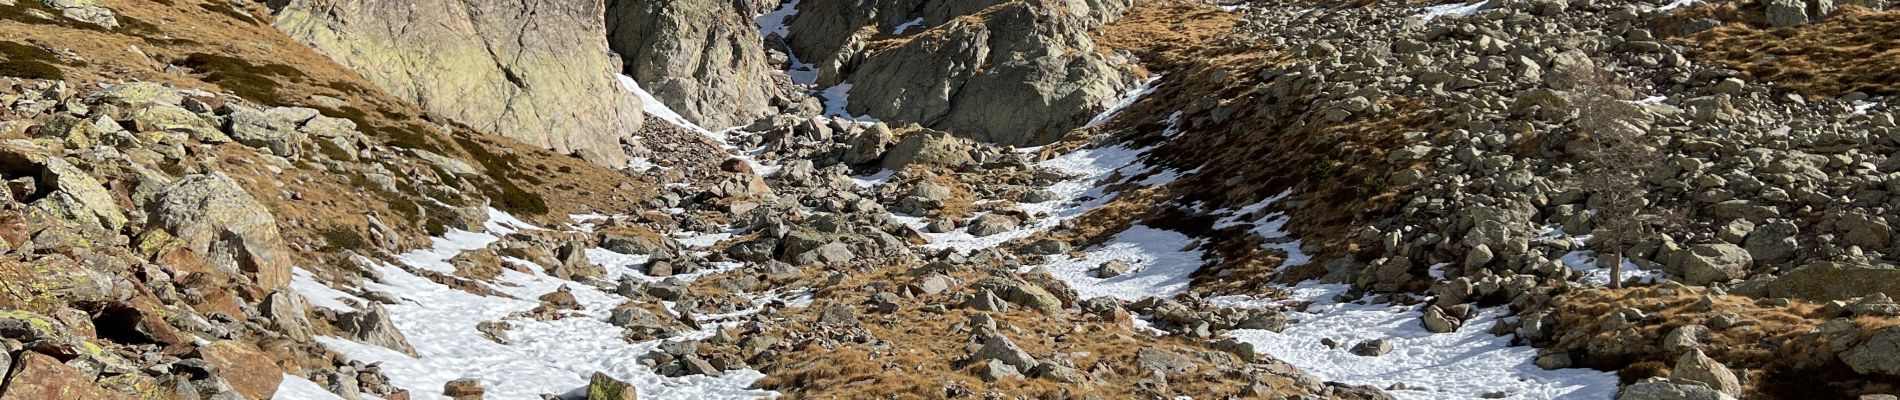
{"points": [[704, 59], [536, 71], [1015, 73]]}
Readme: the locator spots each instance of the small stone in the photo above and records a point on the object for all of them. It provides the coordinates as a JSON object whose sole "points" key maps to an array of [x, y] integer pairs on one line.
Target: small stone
{"points": [[1372, 348]]}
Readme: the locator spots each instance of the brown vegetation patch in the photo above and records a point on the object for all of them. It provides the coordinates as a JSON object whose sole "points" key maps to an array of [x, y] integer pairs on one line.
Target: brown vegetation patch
{"points": [[920, 354], [1168, 32], [1778, 348], [24, 61], [1852, 50]]}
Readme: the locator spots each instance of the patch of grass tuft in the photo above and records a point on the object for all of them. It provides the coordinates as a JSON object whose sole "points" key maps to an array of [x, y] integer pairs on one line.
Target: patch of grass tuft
{"points": [[222, 7], [257, 83], [23, 61], [505, 194]]}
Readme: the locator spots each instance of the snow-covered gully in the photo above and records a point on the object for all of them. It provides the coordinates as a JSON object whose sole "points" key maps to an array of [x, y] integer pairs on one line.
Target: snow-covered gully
{"points": [[1468, 363], [556, 356]]}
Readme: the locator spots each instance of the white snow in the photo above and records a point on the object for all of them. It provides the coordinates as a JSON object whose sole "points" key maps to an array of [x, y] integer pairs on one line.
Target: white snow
{"points": [[318, 294], [297, 388], [552, 357], [1586, 261], [1456, 9], [1271, 227], [652, 106], [774, 22], [1127, 99], [900, 29], [1465, 364], [1676, 4], [872, 180], [1161, 262], [837, 100]]}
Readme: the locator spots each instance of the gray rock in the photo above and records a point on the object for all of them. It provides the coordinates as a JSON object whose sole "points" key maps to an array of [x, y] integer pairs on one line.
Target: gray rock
{"points": [[373, 326], [999, 348], [1772, 242], [284, 311], [215, 217], [1866, 231], [1113, 268], [276, 129], [1709, 263], [869, 145], [991, 224], [702, 58], [1372, 348], [1015, 73], [1836, 281], [1697, 368], [1879, 354], [1783, 13], [88, 11], [996, 370], [929, 148], [538, 71], [1567, 69], [1663, 389], [1437, 321], [1684, 338]]}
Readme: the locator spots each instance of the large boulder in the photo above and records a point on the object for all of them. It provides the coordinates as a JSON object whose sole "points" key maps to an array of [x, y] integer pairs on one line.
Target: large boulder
{"points": [[234, 232], [538, 71], [1017, 73], [929, 148], [1836, 281], [1708, 263], [1879, 354], [1663, 389], [90, 199], [39, 376], [702, 58], [1697, 368], [373, 326], [248, 370]]}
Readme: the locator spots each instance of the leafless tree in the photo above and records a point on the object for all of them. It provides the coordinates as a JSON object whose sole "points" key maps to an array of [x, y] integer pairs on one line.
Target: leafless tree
{"points": [[1616, 154]]}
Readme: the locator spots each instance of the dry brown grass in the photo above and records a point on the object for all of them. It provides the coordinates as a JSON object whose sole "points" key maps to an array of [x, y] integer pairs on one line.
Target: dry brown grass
{"points": [[1853, 50], [219, 48], [1775, 347], [920, 356]]}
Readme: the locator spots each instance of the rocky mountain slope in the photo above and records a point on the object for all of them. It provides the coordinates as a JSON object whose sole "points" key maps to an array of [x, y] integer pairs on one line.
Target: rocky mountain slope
{"points": [[538, 72], [210, 199]]}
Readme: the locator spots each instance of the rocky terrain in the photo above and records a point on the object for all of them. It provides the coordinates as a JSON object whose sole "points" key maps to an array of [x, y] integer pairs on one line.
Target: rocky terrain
{"points": [[1536, 199]]}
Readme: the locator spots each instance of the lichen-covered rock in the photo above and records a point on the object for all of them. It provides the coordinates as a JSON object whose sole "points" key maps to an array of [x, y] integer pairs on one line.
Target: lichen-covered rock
{"points": [[39, 376], [248, 370], [537, 71], [87, 11], [702, 58], [216, 218]]}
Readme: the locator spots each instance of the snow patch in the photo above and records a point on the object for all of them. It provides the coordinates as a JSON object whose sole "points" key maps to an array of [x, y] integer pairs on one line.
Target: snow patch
{"points": [[1127, 99], [1161, 261], [318, 294], [1465, 364], [900, 29], [297, 388], [1453, 9], [543, 357]]}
